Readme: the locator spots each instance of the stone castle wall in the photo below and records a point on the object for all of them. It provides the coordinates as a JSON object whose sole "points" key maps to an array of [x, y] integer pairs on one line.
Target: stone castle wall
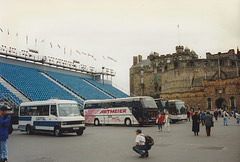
{"points": [[183, 76]]}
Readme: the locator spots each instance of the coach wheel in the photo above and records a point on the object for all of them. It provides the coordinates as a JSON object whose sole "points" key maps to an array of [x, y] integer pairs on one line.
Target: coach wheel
{"points": [[57, 132], [79, 132], [128, 122], [96, 122], [29, 130]]}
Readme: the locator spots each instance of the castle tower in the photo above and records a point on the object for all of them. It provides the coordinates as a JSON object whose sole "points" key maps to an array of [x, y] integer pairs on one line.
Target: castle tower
{"points": [[179, 49]]}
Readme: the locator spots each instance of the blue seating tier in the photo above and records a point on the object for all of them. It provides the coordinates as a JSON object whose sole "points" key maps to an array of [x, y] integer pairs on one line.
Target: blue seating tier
{"points": [[78, 86], [108, 88], [4, 90], [32, 83]]}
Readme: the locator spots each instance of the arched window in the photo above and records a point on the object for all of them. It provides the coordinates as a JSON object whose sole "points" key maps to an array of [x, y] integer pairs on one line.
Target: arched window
{"points": [[209, 100], [232, 102]]}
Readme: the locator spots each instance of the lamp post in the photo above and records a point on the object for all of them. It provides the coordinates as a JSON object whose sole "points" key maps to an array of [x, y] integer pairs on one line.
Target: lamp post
{"points": [[103, 74]]}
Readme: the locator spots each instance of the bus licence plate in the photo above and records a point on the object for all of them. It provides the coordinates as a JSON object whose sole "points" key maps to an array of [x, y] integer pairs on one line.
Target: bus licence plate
{"points": [[75, 128]]}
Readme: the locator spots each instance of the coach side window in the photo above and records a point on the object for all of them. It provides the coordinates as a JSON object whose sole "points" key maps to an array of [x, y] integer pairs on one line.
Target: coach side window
{"points": [[43, 110], [53, 110]]}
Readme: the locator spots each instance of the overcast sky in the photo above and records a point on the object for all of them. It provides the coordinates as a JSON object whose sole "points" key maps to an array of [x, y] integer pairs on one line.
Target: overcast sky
{"points": [[120, 29]]}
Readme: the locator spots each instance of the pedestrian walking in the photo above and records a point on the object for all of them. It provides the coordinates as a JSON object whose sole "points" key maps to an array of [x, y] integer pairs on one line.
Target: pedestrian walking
{"points": [[237, 118], [220, 112], [141, 144], [208, 120], [216, 114], [225, 118], [195, 123], [159, 121], [4, 124], [167, 121], [188, 115], [202, 117]]}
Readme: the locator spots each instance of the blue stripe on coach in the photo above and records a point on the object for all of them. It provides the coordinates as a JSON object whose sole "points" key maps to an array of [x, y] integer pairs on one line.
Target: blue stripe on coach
{"points": [[46, 123], [25, 118]]}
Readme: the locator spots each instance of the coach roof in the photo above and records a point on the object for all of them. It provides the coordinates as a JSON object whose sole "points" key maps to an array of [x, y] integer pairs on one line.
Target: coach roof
{"points": [[48, 102]]}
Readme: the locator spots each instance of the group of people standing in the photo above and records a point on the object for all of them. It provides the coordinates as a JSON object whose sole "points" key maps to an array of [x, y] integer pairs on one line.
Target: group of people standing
{"points": [[163, 120], [206, 120]]}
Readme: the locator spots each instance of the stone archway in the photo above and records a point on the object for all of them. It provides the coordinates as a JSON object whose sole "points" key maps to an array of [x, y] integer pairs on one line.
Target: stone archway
{"points": [[220, 102]]}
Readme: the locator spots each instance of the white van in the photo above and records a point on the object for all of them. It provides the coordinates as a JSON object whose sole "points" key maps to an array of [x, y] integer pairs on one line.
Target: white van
{"points": [[57, 116]]}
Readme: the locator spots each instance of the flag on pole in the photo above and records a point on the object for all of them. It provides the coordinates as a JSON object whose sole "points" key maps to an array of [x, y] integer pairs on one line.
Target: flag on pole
{"points": [[111, 59], [51, 45], [8, 32], [64, 50], [78, 52], [27, 39]]}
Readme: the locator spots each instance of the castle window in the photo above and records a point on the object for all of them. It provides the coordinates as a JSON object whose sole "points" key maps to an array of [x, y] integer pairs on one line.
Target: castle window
{"points": [[175, 64], [232, 102], [142, 72], [165, 68], [191, 63], [142, 80], [209, 103], [160, 88], [168, 61]]}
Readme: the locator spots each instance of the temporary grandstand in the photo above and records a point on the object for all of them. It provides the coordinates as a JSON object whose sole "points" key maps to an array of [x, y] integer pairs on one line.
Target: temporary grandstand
{"points": [[25, 76]]}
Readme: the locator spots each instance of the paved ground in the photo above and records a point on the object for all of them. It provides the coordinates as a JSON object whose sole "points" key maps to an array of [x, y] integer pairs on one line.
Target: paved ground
{"points": [[114, 143]]}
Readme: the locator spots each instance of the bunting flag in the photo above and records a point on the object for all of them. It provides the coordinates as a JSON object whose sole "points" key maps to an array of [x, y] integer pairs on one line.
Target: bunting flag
{"points": [[27, 39], [78, 52], [51, 45], [8, 32], [17, 34], [64, 50], [59, 46], [111, 59], [1, 30], [84, 53], [43, 40]]}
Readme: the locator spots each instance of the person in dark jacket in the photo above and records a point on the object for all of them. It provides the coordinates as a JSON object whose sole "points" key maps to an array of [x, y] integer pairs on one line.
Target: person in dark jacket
{"points": [[195, 123], [4, 124], [208, 119]]}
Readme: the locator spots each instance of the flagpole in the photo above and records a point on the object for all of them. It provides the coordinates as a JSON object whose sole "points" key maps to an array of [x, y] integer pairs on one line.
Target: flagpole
{"points": [[178, 35]]}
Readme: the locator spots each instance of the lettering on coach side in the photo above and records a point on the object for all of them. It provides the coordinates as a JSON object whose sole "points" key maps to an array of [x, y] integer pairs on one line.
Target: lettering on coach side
{"points": [[114, 111]]}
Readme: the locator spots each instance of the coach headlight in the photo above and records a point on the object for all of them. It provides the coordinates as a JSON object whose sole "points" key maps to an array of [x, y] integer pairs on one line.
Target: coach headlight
{"points": [[64, 123]]}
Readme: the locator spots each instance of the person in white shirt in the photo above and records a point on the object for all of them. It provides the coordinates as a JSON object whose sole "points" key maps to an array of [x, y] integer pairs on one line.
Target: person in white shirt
{"points": [[225, 116], [140, 144], [167, 121]]}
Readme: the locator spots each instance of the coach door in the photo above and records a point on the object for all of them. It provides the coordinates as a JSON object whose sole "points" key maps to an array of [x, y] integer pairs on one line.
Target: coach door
{"points": [[105, 113], [53, 116]]}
